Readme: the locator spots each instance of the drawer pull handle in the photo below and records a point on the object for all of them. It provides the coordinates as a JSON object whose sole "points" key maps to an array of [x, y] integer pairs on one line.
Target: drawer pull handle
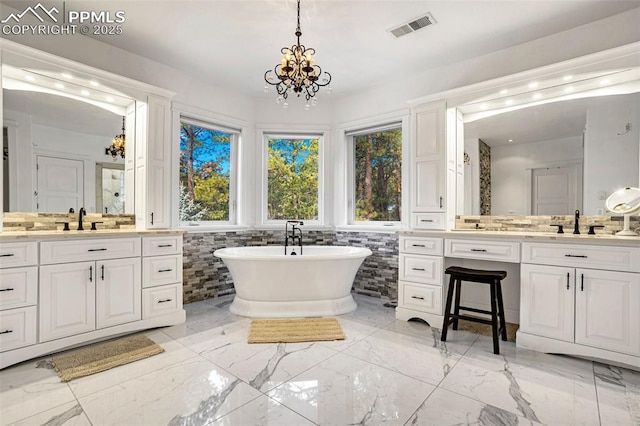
{"points": [[165, 300], [7, 255], [480, 250], [567, 281], [100, 249], [6, 289], [417, 297], [165, 270], [418, 269], [576, 255], [418, 245], [6, 332], [165, 245], [426, 220]]}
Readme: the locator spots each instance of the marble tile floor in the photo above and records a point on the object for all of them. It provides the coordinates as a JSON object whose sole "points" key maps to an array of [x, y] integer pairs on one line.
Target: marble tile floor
{"points": [[386, 372]]}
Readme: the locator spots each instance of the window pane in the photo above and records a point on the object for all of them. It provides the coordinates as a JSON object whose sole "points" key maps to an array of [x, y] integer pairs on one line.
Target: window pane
{"points": [[378, 161], [205, 160], [292, 179]]}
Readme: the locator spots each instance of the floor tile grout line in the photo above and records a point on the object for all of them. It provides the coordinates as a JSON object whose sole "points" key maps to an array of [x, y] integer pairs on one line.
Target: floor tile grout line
{"points": [[595, 385]]}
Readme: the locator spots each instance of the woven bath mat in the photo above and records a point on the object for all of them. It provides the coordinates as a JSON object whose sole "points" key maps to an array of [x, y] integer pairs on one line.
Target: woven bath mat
{"points": [[486, 330], [103, 356], [295, 330]]}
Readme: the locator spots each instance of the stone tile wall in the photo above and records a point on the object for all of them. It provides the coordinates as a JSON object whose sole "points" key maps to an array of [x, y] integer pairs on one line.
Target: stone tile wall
{"points": [[20, 221], [206, 276], [612, 224]]}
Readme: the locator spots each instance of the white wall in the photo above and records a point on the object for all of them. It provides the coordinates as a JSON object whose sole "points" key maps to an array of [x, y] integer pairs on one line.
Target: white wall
{"points": [[472, 183], [607, 150], [511, 167]]}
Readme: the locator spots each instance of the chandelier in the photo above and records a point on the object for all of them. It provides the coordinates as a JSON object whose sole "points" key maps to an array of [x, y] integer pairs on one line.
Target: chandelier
{"points": [[117, 145], [298, 72]]}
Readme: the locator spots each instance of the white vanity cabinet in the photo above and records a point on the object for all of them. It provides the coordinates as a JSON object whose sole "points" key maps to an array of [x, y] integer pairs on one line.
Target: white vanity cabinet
{"points": [[591, 303], [73, 290], [428, 167], [420, 280]]}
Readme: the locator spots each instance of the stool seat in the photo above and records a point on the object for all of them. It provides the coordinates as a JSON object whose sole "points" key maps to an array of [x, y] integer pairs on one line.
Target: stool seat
{"points": [[468, 274], [493, 279]]}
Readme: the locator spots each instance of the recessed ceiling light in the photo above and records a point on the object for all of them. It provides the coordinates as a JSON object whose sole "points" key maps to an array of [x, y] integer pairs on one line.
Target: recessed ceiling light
{"points": [[504, 91], [29, 78], [569, 89], [533, 85], [59, 85], [508, 102], [537, 96], [604, 82], [109, 98], [510, 140], [94, 83], [567, 77], [85, 92], [67, 75]]}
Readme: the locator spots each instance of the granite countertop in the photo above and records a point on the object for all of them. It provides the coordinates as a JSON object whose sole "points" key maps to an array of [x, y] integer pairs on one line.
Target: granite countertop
{"points": [[566, 238], [39, 235]]}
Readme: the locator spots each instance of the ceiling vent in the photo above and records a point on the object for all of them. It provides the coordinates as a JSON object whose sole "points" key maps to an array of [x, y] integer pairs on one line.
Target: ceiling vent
{"points": [[413, 26]]}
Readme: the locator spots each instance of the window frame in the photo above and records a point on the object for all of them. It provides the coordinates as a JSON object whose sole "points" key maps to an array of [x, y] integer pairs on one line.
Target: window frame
{"points": [[263, 185], [401, 122], [234, 172]]}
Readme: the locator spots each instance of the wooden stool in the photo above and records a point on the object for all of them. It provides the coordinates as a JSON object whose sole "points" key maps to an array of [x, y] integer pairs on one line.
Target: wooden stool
{"points": [[493, 278]]}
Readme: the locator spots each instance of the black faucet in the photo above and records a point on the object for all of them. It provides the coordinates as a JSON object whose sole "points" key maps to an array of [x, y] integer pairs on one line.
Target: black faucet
{"points": [[293, 237], [576, 225], [81, 213]]}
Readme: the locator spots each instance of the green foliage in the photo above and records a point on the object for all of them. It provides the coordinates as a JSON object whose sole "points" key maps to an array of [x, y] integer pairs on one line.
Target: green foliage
{"points": [[204, 173], [292, 191], [378, 163]]}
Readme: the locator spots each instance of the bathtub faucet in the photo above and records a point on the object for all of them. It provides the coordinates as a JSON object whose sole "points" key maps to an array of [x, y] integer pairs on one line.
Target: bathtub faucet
{"points": [[292, 235]]}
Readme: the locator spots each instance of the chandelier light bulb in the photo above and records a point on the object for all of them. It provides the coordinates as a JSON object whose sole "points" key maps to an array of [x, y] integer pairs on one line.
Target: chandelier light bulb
{"points": [[266, 89], [285, 105], [314, 101], [280, 99], [329, 90], [307, 106]]}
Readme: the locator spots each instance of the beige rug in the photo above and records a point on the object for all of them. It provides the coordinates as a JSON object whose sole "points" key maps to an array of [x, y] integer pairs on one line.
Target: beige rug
{"points": [[295, 330], [485, 329], [103, 356]]}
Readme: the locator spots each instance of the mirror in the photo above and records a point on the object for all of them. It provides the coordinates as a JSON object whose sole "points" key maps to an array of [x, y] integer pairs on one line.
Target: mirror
{"points": [[625, 201], [552, 158], [55, 144]]}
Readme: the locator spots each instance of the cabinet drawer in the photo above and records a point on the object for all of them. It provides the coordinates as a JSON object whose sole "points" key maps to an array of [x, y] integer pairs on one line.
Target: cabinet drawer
{"points": [[90, 249], [17, 328], [583, 255], [424, 298], [158, 246], [162, 300], [18, 254], [418, 245], [18, 287], [161, 270], [421, 269], [428, 221], [483, 250]]}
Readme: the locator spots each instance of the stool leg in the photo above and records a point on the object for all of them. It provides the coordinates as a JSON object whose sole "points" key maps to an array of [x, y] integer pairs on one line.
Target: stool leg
{"points": [[447, 310], [503, 321], [456, 310], [494, 320]]}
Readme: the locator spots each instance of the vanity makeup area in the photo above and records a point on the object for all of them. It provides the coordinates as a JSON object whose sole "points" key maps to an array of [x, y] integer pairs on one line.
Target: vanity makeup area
{"points": [[65, 288], [482, 201]]}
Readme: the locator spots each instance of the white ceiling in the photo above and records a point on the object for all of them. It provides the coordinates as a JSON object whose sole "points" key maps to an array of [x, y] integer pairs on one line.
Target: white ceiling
{"points": [[233, 43]]}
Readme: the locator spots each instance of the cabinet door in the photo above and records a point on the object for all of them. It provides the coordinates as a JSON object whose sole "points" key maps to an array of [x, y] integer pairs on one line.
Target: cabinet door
{"points": [[118, 292], [428, 192], [547, 301], [67, 300], [607, 306], [158, 163]]}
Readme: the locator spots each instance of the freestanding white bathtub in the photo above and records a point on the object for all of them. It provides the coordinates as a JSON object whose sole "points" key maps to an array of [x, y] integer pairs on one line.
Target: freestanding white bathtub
{"points": [[270, 284]]}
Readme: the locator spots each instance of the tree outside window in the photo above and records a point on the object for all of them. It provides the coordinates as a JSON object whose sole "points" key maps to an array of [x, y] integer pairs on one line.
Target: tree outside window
{"points": [[292, 178], [378, 177], [205, 173]]}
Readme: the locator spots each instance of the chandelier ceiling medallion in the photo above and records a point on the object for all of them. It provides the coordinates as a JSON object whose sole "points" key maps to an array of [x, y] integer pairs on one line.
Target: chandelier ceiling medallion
{"points": [[117, 145], [298, 72]]}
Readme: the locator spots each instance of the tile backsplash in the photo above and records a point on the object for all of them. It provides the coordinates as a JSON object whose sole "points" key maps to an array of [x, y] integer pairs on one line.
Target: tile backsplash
{"points": [[612, 224], [26, 222]]}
